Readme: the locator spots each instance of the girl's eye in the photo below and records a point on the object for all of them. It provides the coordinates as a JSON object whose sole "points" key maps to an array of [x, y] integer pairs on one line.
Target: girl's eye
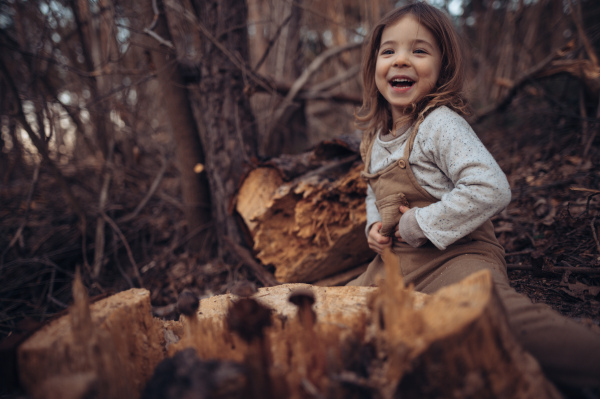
{"points": [[386, 52], [420, 51]]}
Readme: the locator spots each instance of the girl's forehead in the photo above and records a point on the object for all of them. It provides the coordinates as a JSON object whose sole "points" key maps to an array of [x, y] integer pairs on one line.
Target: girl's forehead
{"points": [[406, 24], [407, 28]]}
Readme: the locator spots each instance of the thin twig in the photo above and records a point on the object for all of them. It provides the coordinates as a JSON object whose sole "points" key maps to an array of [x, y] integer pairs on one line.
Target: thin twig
{"points": [[150, 29], [57, 302], [557, 269], [18, 234], [314, 66], [288, 101], [50, 292], [516, 253], [245, 256], [315, 90], [592, 137], [159, 39], [125, 276], [156, 13], [100, 239], [593, 226], [43, 261], [41, 146], [521, 81], [310, 94], [272, 42], [587, 190], [149, 194], [236, 60], [116, 229], [583, 37]]}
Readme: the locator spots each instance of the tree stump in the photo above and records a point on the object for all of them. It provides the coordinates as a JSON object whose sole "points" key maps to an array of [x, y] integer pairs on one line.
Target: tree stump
{"points": [[387, 342], [310, 225], [292, 341], [106, 350]]}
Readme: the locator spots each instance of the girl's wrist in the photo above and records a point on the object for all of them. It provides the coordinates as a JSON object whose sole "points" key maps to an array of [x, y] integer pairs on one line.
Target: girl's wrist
{"points": [[409, 229]]}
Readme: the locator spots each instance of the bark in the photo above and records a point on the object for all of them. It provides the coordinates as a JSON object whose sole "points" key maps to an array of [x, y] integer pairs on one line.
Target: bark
{"points": [[194, 186], [98, 85], [291, 135], [220, 105]]}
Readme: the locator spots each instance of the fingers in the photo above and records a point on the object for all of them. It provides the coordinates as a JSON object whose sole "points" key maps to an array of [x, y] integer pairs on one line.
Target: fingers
{"points": [[397, 235], [403, 209], [375, 246], [376, 241]]}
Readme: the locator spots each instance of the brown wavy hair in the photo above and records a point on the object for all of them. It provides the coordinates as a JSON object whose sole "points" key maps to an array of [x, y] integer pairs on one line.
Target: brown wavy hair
{"points": [[375, 113]]}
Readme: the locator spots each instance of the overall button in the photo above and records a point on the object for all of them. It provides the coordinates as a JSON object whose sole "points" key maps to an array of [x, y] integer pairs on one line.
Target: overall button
{"points": [[402, 163]]}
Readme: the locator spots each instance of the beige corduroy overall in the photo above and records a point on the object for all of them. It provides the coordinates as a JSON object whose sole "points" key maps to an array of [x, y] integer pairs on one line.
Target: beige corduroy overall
{"points": [[568, 352]]}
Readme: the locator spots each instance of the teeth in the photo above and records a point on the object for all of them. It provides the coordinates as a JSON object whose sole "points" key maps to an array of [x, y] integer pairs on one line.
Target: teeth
{"points": [[401, 81]]}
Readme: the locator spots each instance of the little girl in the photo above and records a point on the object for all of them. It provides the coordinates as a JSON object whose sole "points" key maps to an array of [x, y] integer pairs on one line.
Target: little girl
{"points": [[433, 186]]}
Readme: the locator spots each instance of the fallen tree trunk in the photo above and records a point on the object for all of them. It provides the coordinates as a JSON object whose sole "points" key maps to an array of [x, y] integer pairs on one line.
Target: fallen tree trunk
{"points": [[311, 224], [293, 341]]}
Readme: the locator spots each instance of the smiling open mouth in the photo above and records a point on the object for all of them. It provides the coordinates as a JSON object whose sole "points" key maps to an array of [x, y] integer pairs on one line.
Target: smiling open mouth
{"points": [[402, 83]]}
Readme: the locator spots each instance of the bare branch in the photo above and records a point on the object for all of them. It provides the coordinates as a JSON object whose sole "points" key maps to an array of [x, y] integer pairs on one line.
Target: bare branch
{"points": [[100, 241], [239, 63], [538, 70], [246, 257], [116, 229], [272, 42], [18, 235], [288, 101], [316, 90], [578, 21], [149, 194], [159, 39], [150, 29]]}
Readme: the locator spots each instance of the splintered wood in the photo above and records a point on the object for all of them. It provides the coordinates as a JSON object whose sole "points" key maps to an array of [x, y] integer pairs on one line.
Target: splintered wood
{"points": [[106, 350], [383, 342], [288, 341], [308, 228]]}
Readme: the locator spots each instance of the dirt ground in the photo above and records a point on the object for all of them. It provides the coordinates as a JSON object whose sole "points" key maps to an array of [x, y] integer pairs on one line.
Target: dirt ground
{"points": [[550, 229]]}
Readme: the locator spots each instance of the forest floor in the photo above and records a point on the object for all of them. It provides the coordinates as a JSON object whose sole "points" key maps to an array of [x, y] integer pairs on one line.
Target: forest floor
{"points": [[551, 228], [550, 232]]}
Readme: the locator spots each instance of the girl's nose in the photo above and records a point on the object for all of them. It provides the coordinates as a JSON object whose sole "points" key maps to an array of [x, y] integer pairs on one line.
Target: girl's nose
{"points": [[401, 60]]}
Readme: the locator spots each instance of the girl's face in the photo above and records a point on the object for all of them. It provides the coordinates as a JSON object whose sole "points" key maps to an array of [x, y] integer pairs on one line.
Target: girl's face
{"points": [[408, 64]]}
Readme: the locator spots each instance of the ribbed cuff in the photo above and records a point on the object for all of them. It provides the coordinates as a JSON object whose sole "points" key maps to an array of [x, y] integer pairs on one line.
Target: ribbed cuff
{"points": [[409, 229]]}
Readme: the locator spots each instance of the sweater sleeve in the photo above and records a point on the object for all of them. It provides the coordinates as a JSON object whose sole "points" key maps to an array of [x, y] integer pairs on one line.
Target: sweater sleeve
{"points": [[372, 212], [478, 187]]}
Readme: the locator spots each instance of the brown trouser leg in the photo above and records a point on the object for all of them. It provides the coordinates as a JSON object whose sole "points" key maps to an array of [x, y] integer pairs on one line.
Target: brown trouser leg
{"points": [[568, 352]]}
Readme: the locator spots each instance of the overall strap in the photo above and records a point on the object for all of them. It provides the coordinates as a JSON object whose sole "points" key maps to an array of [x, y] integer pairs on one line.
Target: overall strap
{"points": [[410, 142], [367, 158]]}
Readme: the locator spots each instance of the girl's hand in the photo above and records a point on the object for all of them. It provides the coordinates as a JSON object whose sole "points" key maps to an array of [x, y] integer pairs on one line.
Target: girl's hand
{"points": [[403, 210], [376, 241]]}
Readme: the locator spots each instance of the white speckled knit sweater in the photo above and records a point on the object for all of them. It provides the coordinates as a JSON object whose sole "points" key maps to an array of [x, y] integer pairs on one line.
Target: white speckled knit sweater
{"points": [[452, 164]]}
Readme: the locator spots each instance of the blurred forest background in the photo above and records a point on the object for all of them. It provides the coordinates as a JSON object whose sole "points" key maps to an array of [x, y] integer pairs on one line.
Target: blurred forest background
{"points": [[126, 127]]}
